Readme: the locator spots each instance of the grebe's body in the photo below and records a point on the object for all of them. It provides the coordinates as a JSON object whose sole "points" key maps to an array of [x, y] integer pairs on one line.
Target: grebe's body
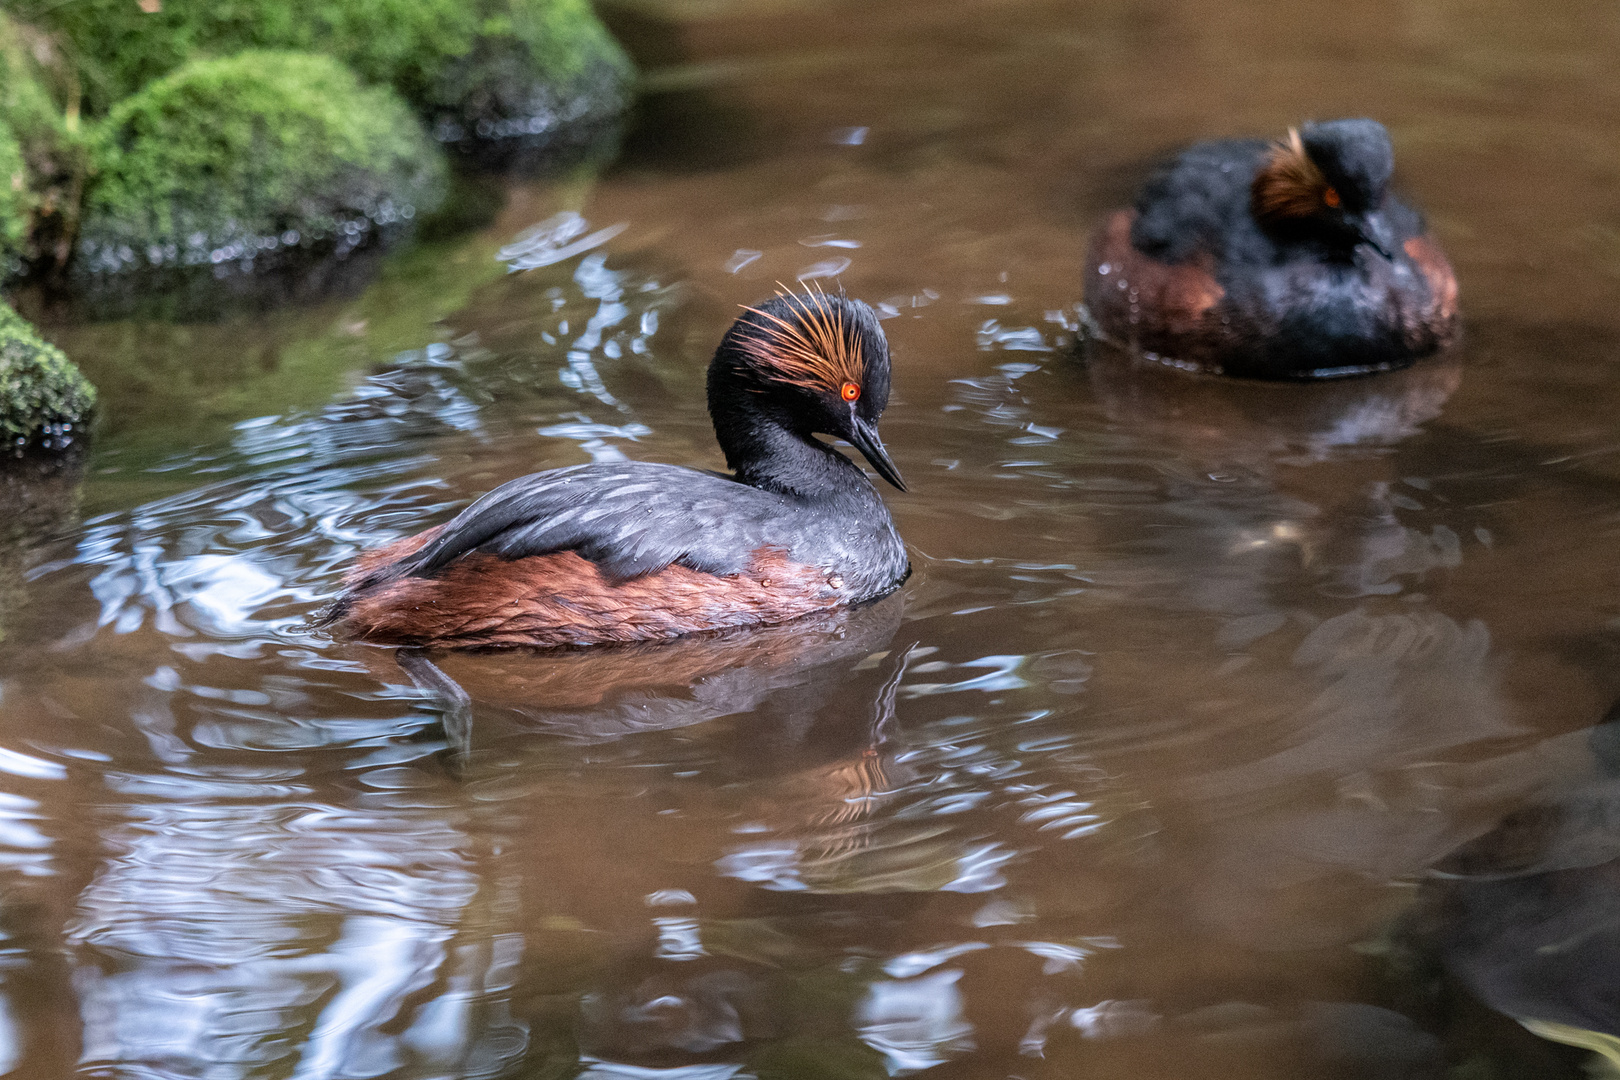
{"points": [[1275, 260], [635, 551]]}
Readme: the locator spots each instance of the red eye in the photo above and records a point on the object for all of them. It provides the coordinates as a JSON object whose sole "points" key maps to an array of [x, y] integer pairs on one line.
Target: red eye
{"points": [[1331, 197], [851, 391]]}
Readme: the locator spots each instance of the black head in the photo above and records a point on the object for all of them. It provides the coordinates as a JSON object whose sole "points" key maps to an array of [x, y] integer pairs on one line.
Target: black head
{"points": [[1356, 158], [1328, 180], [814, 364]]}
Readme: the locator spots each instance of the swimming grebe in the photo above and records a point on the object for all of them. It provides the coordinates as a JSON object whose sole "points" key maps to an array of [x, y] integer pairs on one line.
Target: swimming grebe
{"points": [[1281, 260], [635, 551]]}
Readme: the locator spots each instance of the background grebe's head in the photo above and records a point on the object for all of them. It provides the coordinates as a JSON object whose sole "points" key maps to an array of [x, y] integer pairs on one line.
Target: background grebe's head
{"points": [[1328, 181], [811, 363]]}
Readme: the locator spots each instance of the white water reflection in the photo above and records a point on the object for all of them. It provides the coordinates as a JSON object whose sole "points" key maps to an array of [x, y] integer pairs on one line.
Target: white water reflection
{"points": [[224, 938], [554, 240], [597, 1069], [915, 1023]]}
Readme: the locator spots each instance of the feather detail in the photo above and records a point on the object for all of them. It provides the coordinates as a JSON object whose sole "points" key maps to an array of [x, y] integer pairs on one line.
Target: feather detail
{"points": [[816, 349], [1289, 185]]}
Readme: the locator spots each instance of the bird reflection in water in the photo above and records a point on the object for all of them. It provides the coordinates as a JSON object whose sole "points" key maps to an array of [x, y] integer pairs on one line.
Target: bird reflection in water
{"points": [[829, 771], [1256, 422], [603, 693], [811, 755], [368, 931], [1307, 470]]}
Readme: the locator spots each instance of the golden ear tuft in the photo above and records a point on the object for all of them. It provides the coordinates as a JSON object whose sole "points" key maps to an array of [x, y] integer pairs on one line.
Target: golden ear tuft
{"points": [[816, 348], [1290, 185]]}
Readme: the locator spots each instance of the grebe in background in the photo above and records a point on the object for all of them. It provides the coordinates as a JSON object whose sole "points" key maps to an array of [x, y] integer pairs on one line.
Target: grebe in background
{"points": [[636, 551], [1282, 260]]}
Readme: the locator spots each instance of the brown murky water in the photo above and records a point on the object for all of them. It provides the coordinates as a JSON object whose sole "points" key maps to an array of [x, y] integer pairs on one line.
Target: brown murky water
{"points": [[1145, 772]]}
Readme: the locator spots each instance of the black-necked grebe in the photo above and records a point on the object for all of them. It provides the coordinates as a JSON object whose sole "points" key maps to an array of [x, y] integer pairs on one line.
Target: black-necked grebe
{"points": [[635, 551], [1280, 260]]}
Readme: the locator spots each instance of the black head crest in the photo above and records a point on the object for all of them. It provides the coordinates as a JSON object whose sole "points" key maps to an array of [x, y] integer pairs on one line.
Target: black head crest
{"points": [[810, 341], [1340, 165], [1290, 185]]}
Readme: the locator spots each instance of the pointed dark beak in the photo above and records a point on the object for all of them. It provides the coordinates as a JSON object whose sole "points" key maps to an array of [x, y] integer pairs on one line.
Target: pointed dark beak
{"points": [[1373, 232], [864, 438]]}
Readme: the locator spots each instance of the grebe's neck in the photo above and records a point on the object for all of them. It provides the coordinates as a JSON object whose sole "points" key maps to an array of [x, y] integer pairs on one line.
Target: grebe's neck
{"points": [[766, 449]]}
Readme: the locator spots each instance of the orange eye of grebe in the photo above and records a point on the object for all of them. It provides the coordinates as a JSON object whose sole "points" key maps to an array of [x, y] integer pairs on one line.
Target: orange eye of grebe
{"points": [[850, 391], [1331, 197]]}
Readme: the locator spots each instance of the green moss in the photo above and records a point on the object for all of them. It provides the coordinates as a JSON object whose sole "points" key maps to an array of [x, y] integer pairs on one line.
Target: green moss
{"points": [[35, 83], [16, 202], [466, 62], [44, 400], [537, 66], [225, 159], [42, 157]]}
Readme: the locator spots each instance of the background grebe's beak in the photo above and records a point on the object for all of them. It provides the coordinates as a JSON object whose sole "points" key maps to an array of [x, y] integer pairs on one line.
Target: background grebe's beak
{"points": [[865, 439], [1372, 231]]}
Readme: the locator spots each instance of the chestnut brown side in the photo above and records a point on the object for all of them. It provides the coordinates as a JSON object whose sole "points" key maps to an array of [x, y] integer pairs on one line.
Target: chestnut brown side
{"points": [[563, 599], [1182, 313], [1149, 304], [1438, 325]]}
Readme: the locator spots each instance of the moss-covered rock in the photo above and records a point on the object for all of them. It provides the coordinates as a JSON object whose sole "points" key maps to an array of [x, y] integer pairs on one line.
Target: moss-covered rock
{"points": [[491, 69], [239, 159], [44, 400], [539, 70]]}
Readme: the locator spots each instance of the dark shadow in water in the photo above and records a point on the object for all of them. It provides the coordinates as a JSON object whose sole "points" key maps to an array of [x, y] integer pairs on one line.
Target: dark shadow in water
{"points": [[689, 131], [39, 497], [677, 130], [590, 142], [1527, 917], [38, 491], [210, 293]]}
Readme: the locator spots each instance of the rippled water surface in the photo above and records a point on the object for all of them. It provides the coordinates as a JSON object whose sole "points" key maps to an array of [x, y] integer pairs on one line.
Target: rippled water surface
{"points": [[1172, 758]]}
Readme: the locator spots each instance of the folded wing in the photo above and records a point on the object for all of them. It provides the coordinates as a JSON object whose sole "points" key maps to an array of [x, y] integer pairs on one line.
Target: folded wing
{"points": [[629, 518]]}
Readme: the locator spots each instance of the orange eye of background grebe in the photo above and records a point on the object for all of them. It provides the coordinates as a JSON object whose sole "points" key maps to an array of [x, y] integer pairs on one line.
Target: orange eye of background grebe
{"points": [[850, 391], [1331, 197]]}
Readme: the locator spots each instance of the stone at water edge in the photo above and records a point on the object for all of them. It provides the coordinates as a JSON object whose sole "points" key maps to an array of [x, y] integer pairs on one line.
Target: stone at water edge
{"points": [[234, 162], [487, 72], [45, 401], [543, 75]]}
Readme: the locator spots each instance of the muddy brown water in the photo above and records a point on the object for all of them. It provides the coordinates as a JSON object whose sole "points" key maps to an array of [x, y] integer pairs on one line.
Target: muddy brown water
{"points": [[1141, 775]]}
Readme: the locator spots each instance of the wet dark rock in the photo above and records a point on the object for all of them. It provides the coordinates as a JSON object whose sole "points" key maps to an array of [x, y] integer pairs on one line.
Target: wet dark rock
{"points": [[211, 293]]}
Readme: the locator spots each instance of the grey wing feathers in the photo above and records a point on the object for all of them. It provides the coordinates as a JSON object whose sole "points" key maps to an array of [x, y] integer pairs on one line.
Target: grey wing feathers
{"points": [[629, 518]]}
